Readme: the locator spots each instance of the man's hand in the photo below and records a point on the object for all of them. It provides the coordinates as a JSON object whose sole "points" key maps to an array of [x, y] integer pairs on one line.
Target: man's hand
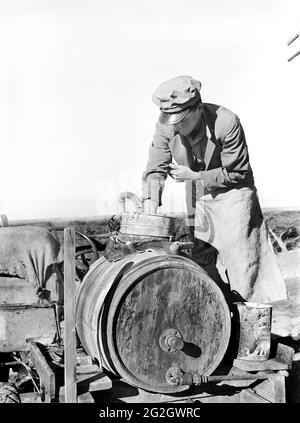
{"points": [[182, 173], [150, 206]]}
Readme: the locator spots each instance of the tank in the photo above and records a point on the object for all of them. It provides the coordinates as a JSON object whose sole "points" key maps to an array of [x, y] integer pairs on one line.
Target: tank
{"points": [[151, 312]]}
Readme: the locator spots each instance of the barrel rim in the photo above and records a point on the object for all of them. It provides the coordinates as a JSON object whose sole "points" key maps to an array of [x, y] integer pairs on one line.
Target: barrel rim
{"points": [[107, 272]]}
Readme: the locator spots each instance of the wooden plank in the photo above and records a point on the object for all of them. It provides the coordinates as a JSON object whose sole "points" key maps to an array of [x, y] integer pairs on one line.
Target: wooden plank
{"points": [[69, 316], [272, 390], [249, 396], [61, 223], [279, 389], [46, 374], [252, 366], [282, 361]]}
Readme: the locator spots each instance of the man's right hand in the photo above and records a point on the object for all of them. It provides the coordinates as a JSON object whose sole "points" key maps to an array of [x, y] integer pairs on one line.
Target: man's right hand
{"points": [[150, 206]]}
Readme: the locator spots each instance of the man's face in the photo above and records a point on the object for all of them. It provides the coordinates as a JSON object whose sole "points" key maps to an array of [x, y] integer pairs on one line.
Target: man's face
{"points": [[188, 124]]}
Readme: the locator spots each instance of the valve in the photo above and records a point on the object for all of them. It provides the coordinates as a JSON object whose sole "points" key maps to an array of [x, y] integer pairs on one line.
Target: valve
{"points": [[171, 340], [177, 246], [174, 376]]}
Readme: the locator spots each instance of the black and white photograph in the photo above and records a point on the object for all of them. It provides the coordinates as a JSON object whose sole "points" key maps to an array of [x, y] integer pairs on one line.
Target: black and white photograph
{"points": [[149, 206]]}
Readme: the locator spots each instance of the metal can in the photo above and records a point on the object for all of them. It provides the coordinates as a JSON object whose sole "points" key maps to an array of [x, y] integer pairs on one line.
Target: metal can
{"points": [[254, 321]]}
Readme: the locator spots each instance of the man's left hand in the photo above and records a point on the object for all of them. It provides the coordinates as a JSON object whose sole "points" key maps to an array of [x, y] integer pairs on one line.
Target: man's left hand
{"points": [[182, 173]]}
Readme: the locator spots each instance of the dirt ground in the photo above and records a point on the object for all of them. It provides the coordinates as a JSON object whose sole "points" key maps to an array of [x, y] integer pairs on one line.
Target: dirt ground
{"points": [[286, 318]]}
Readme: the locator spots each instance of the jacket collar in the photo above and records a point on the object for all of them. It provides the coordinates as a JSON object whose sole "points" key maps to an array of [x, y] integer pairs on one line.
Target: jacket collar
{"points": [[210, 147], [204, 135]]}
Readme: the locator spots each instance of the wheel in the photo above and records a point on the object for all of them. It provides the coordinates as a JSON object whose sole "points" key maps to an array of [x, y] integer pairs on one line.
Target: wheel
{"points": [[9, 393], [86, 251], [85, 255]]}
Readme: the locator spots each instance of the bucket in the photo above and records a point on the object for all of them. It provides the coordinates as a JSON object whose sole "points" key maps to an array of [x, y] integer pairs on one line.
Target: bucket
{"points": [[141, 224], [254, 331], [148, 225]]}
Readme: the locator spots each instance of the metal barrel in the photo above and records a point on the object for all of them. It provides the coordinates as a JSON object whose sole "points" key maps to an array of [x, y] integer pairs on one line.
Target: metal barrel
{"points": [[148, 312]]}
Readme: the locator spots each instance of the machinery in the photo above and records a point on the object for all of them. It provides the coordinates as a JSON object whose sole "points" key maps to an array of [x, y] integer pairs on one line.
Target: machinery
{"points": [[147, 316]]}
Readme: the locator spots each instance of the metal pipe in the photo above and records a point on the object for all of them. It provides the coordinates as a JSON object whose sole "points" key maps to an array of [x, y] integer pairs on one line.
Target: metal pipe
{"points": [[178, 377], [176, 246], [127, 195], [207, 379]]}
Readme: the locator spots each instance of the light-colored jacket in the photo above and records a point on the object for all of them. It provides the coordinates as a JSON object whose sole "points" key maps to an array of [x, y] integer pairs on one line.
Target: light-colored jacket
{"points": [[217, 149]]}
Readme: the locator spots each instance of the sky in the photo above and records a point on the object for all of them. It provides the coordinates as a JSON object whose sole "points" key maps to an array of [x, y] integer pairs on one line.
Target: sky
{"points": [[76, 80]]}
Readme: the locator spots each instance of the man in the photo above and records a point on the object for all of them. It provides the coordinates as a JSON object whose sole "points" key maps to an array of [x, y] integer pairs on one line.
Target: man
{"points": [[208, 144]]}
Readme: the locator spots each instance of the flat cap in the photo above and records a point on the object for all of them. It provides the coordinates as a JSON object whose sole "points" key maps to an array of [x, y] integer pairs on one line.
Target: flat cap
{"points": [[175, 97]]}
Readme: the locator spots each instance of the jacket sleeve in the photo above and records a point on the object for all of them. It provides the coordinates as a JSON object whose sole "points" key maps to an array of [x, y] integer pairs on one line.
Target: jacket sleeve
{"points": [[154, 177], [234, 158]]}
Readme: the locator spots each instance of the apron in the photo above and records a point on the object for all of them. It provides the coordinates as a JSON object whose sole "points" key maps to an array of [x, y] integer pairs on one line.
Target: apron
{"points": [[231, 223]]}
